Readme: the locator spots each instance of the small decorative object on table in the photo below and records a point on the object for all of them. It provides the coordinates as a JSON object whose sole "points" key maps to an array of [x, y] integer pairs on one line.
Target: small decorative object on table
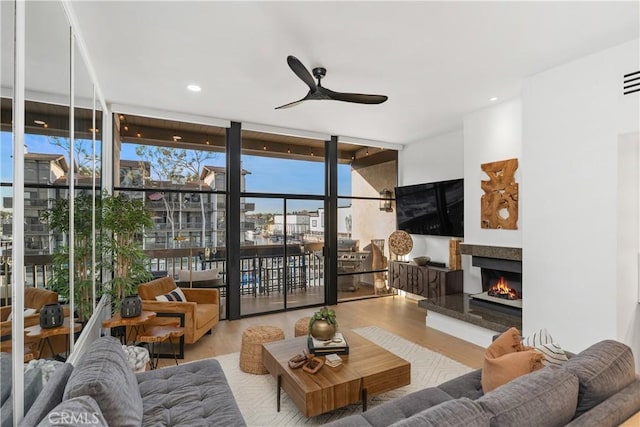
{"points": [[131, 306], [299, 360], [422, 260], [313, 365], [307, 362], [323, 324], [333, 360], [338, 345], [51, 316]]}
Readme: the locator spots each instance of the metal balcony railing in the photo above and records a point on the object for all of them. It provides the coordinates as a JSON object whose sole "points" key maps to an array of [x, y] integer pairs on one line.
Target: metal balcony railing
{"points": [[263, 270]]}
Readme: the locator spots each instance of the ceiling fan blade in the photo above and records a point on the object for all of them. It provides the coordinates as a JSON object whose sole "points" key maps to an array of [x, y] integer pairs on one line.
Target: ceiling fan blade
{"points": [[292, 104], [359, 98], [302, 72]]}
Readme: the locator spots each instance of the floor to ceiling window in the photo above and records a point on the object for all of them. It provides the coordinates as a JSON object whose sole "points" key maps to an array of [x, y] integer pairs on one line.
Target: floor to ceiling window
{"points": [[282, 225], [365, 219], [179, 171]]}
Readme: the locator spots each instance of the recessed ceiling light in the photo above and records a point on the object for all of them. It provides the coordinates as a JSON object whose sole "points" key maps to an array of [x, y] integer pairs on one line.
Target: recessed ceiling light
{"points": [[40, 122], [194, 88], [176, 137], [495, 98]]}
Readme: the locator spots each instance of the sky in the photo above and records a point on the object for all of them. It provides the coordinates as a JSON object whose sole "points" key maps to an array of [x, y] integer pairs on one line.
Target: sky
{"points": [[267, 174]]}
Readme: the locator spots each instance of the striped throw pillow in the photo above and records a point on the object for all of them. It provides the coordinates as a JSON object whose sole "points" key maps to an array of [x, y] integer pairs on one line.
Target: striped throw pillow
{"points": [[553, 354], [175, 295], [543, 343], [538, 338]]}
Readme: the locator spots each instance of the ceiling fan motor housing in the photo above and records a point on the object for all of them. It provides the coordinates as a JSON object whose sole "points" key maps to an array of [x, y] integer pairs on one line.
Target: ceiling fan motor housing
{"points": [[319, 72]]}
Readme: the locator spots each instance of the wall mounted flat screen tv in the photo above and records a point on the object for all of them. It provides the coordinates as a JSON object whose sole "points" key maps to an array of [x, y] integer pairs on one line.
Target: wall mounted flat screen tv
{"points": [[435, 208]]}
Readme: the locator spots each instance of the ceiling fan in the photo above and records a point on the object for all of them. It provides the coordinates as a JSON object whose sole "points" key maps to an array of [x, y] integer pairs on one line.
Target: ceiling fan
{"points": [[318, 92]]}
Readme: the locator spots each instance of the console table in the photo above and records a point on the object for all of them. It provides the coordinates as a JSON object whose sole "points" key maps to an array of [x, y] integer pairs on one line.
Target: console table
{"points": [[427, 281]]}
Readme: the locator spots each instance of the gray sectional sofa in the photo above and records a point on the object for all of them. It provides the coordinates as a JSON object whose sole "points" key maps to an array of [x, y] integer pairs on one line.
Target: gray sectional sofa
{"points": [[101, 389], [598, 387]]}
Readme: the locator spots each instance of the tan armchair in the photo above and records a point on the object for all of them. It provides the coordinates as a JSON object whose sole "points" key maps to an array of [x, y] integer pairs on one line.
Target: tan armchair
{"points": [[34, 298], [201, 311]]}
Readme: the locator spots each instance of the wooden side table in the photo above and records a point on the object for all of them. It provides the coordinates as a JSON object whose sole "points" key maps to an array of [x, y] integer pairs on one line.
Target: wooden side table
{"points": [[45, 335], [159, 334], [136, 323]]}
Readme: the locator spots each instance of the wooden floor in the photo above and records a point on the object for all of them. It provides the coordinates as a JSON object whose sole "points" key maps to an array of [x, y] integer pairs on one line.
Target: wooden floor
{"points": [[398, 315]]}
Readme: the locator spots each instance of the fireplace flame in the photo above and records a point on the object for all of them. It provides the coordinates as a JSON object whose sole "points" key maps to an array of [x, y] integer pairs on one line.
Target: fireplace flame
{"points": [[502, 290]]}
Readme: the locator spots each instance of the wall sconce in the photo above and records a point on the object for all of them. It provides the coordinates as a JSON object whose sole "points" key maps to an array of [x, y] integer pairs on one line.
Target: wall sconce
{"points": [[385, 200]]}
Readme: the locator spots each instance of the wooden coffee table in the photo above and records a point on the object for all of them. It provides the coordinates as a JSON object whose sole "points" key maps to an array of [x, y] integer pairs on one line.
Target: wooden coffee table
{"points": [[368, 370]]}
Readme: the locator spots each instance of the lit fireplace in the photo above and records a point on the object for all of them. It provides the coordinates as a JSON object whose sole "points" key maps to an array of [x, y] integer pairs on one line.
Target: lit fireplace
{"points": [[501, 283], [501, 289]]}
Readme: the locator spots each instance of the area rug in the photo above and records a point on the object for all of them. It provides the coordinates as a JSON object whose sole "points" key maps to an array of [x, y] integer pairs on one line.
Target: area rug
{"points": [[256, 394]]}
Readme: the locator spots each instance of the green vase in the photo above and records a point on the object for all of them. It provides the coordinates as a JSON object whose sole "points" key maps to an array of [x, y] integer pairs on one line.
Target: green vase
{"points": [[322, 330]]}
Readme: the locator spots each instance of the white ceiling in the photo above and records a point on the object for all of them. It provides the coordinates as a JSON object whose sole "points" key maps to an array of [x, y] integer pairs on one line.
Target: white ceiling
{"points": [[435, 60]]}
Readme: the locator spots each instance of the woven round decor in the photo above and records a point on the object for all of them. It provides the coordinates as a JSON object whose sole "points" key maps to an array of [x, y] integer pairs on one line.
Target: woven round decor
{"points": [[400, 242]]}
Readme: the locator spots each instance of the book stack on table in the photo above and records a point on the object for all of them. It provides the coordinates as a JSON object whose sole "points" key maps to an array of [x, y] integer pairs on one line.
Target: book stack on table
{"points": [[337, 345], [332, 360]]}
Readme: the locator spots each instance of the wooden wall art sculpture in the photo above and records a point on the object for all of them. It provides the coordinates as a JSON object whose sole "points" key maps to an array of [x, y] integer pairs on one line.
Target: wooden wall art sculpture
{"points": [[499, 204]]}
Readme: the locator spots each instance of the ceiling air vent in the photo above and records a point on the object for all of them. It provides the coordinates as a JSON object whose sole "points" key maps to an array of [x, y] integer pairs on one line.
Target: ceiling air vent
{"points": [[631, 83]]}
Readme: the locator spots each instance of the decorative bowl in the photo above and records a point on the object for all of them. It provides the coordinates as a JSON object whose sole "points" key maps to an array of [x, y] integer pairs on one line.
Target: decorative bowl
{"points": [[422, 260]]}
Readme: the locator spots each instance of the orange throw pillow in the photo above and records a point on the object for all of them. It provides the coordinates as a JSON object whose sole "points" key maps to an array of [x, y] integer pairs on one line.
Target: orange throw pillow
{"points": [[509, 342], [506, 358]]}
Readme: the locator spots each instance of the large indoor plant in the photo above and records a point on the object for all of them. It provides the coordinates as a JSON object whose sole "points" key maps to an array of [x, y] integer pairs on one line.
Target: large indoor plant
{"points": [[124, 220], [120, 222], [323, 324]]}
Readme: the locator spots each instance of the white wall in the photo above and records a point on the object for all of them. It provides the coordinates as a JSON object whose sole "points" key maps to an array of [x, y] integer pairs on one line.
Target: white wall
{"points": [[437, 158], [490, 134], [572, 118], [628, 276]]}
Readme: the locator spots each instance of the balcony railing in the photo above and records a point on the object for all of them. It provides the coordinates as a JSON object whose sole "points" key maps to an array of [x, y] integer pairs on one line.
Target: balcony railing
{"points": [[263, 269]]}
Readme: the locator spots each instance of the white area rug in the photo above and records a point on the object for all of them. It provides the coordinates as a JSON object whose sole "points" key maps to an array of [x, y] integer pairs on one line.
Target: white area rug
{"points": [[256, 394]]}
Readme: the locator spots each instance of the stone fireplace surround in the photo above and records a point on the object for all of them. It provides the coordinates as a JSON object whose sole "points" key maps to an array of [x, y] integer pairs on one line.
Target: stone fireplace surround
{"points": [[457, 315]]}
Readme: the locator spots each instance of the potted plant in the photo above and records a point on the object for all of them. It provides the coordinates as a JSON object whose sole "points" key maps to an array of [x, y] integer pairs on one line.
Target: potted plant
{"points": [[124, 220], [323, 324], [120, 222]]}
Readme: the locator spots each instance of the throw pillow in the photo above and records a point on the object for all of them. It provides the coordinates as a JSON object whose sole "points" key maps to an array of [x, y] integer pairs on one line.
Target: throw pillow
{"points": [[507, 342], [538, 338], [542, 342], [175, 295], [27, 312], [501, 370], [49, 397], [506, 358], [32, 388], [104, 374], [553, 354]]}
